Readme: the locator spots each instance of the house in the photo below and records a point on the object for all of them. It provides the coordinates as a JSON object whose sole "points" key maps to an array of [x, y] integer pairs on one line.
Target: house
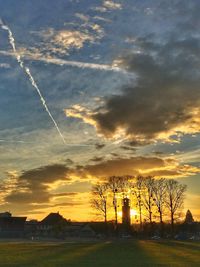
{"points": [[81, 230], [52, 225], [11, 227], [55, 225], [31, 228]]}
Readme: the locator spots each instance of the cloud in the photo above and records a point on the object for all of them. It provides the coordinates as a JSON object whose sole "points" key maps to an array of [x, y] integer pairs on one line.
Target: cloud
{"points": [[128, 148], [71, 39], [97, 159], [65, 194], [109, 4], [162, 103], [99, 146], [37, 55], [74, 37], [62, 41], [45, 188], [32, 186], [5, 66], [155, 166]]}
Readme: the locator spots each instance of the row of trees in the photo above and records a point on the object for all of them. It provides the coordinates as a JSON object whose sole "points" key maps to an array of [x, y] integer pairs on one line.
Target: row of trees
{"points": [[154, 199]]}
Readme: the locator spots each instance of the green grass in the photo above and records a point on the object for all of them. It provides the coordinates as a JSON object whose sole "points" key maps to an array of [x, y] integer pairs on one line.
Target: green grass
{"points": [[100, 254]]}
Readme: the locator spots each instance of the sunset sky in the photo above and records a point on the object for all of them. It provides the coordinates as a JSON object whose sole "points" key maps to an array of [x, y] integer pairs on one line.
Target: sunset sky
{"points": [[121, 80]]}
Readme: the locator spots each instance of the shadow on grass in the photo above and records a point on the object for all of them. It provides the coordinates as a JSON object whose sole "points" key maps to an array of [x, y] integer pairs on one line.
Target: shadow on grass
{"points": [[172, 253], [192, 245], [112, 254], [101, 254], [115, 254], [188, 252]]}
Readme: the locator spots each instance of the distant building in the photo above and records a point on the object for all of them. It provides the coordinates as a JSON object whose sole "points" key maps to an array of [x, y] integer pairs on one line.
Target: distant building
{"points": [[5, 214], [11, 227], [52, 219], [126, 212], [76, 229], [188, 217], [51, 225], [31, 228]]}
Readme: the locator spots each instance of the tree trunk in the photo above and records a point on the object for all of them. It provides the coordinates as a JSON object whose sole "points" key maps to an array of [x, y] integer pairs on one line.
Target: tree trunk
{"points": [[105, 222], [116, 218], [172, 224], [140, 211], [161, 225], [150, 217], [105, 215]]}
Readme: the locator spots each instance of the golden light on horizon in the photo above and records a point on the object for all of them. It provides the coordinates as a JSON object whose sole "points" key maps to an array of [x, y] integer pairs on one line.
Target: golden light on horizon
{"points": [[134, 213]]}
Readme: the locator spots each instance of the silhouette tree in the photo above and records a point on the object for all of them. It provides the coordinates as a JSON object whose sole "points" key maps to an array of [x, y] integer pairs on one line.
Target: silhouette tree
{"points": [[124, 185], [147, 196], [99, 199], [114, 185], [137, 189], [159, 190], [175, 194]]}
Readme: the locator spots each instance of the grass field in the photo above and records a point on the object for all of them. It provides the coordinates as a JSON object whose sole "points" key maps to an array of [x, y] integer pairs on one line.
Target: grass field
{"points": [[108, 254]]}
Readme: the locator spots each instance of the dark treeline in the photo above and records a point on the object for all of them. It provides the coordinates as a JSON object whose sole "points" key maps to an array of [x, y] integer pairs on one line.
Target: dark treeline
{"points": [[156, 201]]}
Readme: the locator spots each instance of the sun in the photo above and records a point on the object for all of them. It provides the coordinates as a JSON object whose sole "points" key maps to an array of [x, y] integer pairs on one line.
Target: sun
{"points": [[133, 212]]}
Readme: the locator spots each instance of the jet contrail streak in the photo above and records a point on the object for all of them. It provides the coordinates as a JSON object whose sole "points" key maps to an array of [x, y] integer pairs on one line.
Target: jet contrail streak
{"points": [[71, 63], [28, 73], [83, 65]]}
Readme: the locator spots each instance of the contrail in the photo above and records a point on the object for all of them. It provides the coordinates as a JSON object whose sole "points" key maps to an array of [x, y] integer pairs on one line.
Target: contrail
{"points": [[71, 63], [28, 73]]}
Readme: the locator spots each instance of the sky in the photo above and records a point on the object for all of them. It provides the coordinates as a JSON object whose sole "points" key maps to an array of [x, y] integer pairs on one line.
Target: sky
{"points": [[105, 87]]}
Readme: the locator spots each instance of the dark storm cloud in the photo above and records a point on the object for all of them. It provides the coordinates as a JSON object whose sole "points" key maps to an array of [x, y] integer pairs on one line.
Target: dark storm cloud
{"points": [[32, 185], [155, 166], [165, 98]]}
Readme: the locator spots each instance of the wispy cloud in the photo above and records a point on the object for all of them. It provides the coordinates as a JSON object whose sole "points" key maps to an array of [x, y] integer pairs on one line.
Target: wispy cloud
{"points": [[109, 4], [5, 65], [57, 61], [63, 41]]}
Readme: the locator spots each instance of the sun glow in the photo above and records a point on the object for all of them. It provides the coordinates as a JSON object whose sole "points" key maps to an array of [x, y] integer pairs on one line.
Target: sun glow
{"points": [[133, 213]]}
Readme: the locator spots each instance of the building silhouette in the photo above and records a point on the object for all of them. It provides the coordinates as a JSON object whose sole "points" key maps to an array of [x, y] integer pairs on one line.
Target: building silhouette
{"points": [[188, 217], [126, 211], [10, 226]]}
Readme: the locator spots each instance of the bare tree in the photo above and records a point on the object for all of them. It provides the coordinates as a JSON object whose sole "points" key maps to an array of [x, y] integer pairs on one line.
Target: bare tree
{"points": [[175, 194], [147, 196], [99, 199], [159, 190], [124, 185], [137, 189], [114, 185]]}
